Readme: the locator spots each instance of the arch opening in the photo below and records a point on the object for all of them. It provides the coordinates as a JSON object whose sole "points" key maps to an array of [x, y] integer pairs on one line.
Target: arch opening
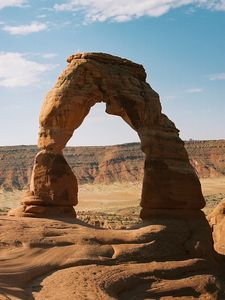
{"points": [[109, 177], [169, 179], [101, 129]]}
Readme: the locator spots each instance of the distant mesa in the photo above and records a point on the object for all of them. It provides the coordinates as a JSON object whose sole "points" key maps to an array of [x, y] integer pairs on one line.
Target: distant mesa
{"points": [[106, 164], [169, 182]]}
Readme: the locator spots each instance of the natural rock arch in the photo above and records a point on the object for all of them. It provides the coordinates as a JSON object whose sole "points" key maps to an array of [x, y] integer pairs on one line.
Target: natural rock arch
{"points": [[169, 180]]}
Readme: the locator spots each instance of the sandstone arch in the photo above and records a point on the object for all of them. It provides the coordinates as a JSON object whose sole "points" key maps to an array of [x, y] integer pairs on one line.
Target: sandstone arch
{"points": [[169, 180]]}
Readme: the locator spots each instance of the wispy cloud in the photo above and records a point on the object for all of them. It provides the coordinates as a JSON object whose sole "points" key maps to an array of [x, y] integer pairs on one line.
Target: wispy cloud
{"points": [[25, 29], [123, 10], [12, 3], [43, 16], [218, 76], [49, 55], [18, 71], [220, 5], [194, 91]]}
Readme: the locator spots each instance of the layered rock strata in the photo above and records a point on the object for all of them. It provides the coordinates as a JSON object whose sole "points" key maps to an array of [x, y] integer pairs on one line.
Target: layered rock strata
{"points": [[170, 181], [106, 164]]}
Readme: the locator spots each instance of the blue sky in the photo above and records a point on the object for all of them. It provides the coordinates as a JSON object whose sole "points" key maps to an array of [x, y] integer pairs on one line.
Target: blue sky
{"points": [[181, 44]]}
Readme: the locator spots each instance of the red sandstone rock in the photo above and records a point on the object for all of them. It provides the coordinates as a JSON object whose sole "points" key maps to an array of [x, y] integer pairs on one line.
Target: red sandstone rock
{"points": [[217, 221], [170, 256], [52, 181], [53, 188], [169, 181]]}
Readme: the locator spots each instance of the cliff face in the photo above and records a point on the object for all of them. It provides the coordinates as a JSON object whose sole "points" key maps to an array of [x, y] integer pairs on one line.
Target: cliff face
{"points": [[106, 164], [15, 166], [207, 157]]}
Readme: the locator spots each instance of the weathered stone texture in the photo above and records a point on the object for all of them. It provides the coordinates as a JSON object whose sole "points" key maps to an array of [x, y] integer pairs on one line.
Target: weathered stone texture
{"points": [[169, 181], [217, 222]]}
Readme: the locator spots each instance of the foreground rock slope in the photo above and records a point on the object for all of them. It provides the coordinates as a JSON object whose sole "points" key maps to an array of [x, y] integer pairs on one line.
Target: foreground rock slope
{"points": [[169, 257]]}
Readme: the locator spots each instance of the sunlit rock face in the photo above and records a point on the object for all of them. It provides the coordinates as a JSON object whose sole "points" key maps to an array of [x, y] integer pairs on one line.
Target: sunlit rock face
{"points": [[217, 222], [169, 180]]}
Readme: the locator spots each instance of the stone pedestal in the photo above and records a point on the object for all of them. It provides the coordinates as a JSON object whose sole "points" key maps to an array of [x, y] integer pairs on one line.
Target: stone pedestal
{"points": [[169, 182], [53, 188]]}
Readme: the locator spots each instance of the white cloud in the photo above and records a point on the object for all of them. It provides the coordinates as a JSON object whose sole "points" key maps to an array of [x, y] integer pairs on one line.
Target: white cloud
{"points": [[220, 5], [25, 29], [124, 10], [18, 71], [195, 90], [43, 16], [11, 3], [218, 76], [49, 55]]}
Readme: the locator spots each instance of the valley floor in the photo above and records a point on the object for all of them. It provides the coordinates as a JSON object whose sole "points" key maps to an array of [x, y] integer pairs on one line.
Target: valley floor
{"points": [[113, 197], [117, 205]]}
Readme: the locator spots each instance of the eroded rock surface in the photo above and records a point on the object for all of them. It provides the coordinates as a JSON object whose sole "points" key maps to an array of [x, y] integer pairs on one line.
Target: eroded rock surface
{"points": [[168, 257], [217, 222], [170, 181]]}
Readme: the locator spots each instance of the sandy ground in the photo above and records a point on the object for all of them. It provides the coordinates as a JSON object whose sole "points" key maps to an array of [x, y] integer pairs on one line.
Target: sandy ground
{"points": [[212, 186], [118, 197], [102, 198]]}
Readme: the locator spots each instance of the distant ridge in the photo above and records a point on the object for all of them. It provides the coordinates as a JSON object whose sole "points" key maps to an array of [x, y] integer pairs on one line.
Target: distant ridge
{"points": [[106, 164]]}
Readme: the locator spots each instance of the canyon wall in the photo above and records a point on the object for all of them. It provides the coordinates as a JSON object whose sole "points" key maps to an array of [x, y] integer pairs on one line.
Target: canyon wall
{"points": [[106, 164]]}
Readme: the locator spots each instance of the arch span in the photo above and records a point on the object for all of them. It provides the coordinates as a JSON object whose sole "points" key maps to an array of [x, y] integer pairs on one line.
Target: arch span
{"points": [[169, 180]]}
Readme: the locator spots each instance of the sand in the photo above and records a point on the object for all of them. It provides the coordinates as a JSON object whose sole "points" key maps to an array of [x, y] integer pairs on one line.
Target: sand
{"points": [[120, 197]]}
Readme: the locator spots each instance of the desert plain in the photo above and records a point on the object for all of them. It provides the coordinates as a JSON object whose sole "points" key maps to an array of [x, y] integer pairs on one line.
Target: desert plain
{"points": [[117, 204]]}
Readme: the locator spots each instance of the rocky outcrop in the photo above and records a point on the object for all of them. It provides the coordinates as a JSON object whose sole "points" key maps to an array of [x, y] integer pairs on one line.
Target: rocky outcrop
{"points": [[169, 182], [106, 164], [170, 257], [217, 223]]}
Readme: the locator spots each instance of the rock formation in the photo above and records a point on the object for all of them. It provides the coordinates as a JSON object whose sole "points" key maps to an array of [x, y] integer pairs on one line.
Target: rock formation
{"points": [[217, 223], [170, 181], [169, 255]]}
